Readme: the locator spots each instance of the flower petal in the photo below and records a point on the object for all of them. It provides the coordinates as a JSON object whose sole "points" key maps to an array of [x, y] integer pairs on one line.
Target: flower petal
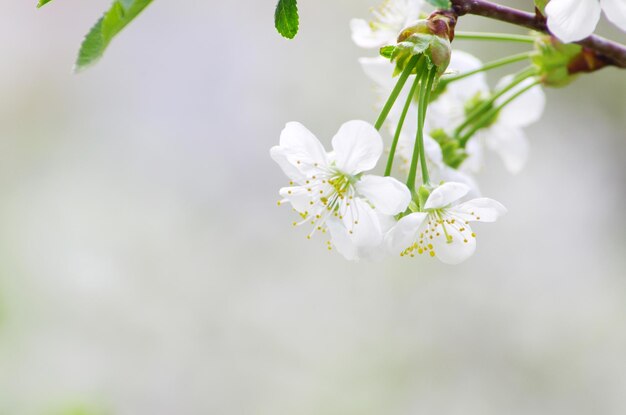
{"points": [[510, 143], [388, 195], [572, 20], [341, 240], [456, 247], [362, 222], [279, 155], [404, 233], [298, 197], [301, 148], [365, 37], [482, 210], [445, 194], [448, 174], [379, 70], [466, 88], [357, 147], [526, 108], [615, 11], [346, 246], [474, 148]]}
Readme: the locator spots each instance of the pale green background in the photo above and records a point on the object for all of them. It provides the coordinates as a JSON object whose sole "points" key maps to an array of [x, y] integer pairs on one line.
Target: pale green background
{"points": [[145, 268]]}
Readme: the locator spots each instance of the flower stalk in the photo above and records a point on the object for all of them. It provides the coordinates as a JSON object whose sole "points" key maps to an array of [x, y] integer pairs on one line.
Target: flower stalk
{"points": [[479, 111], [489, 115], [396, 91], [504, 37]]}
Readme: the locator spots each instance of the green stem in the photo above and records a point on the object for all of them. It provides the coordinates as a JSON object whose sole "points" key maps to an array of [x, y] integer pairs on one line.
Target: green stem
{"points": [[478, 111], [396, 137], [396, 91], [506, 37], [482, 122], [488, 66], [423, 108], [426, 81]]}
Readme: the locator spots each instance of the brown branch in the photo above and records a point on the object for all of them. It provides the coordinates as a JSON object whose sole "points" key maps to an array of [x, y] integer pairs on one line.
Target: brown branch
{"points": [[611, 52]]}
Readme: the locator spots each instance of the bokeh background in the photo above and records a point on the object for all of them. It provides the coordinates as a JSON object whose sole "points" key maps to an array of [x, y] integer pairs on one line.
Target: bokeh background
{"points": [[146, 269]]}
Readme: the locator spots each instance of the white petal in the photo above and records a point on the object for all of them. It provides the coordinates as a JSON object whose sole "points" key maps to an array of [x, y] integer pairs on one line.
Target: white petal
{"points": [[433, 151], [388, 195], [357, 147], [379, 70], [615, 11], [361, 219], [476, 157], [365, 37], [341, 240], [298, 197], [301, 148], [572, 20], [466, 88], [403, 235], [448, 174], [279, 155], [481, 210], [346, 246], [526, 108], [511, 145], [445, 194], [460, 246]]}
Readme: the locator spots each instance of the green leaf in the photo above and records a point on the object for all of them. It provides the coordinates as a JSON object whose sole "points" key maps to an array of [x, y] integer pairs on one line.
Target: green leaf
{"points": [[441, 4], [43, 3], [121, 13], [286, 18], [387, 51]]}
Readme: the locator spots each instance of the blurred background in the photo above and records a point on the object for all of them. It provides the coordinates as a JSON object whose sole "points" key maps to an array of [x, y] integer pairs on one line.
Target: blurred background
{"points": [[146, 269]]}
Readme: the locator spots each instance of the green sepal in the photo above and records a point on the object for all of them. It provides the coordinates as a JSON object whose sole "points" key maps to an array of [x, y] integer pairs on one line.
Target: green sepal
{"points": [[432, 47], [42, 3], [453, 154], [553, 60], [387, 51], [422, 196]]}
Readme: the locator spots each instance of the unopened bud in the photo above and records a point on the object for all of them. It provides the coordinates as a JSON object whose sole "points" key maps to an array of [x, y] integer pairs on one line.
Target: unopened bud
{"points": [[428, 37]]}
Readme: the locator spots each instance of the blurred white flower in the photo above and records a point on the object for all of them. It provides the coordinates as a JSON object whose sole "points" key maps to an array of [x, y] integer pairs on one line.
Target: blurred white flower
{"points": [[572, 20], [389, 19], [505, 135], [447, 110], [329, 189], [442, 230]]}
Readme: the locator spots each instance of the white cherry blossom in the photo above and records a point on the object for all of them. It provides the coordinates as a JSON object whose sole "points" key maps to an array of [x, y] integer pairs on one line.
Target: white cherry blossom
{"points": [[572, 20], [442, 229], [388, 21], [329, 190], [506, 134]]}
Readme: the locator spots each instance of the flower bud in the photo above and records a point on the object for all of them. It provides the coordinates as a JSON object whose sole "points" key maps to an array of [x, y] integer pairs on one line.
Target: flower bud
{"points": [[428, 37]]}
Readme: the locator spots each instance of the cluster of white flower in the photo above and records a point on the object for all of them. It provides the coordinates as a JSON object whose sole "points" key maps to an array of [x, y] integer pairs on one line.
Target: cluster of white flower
{"points": [[369, 216]]}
